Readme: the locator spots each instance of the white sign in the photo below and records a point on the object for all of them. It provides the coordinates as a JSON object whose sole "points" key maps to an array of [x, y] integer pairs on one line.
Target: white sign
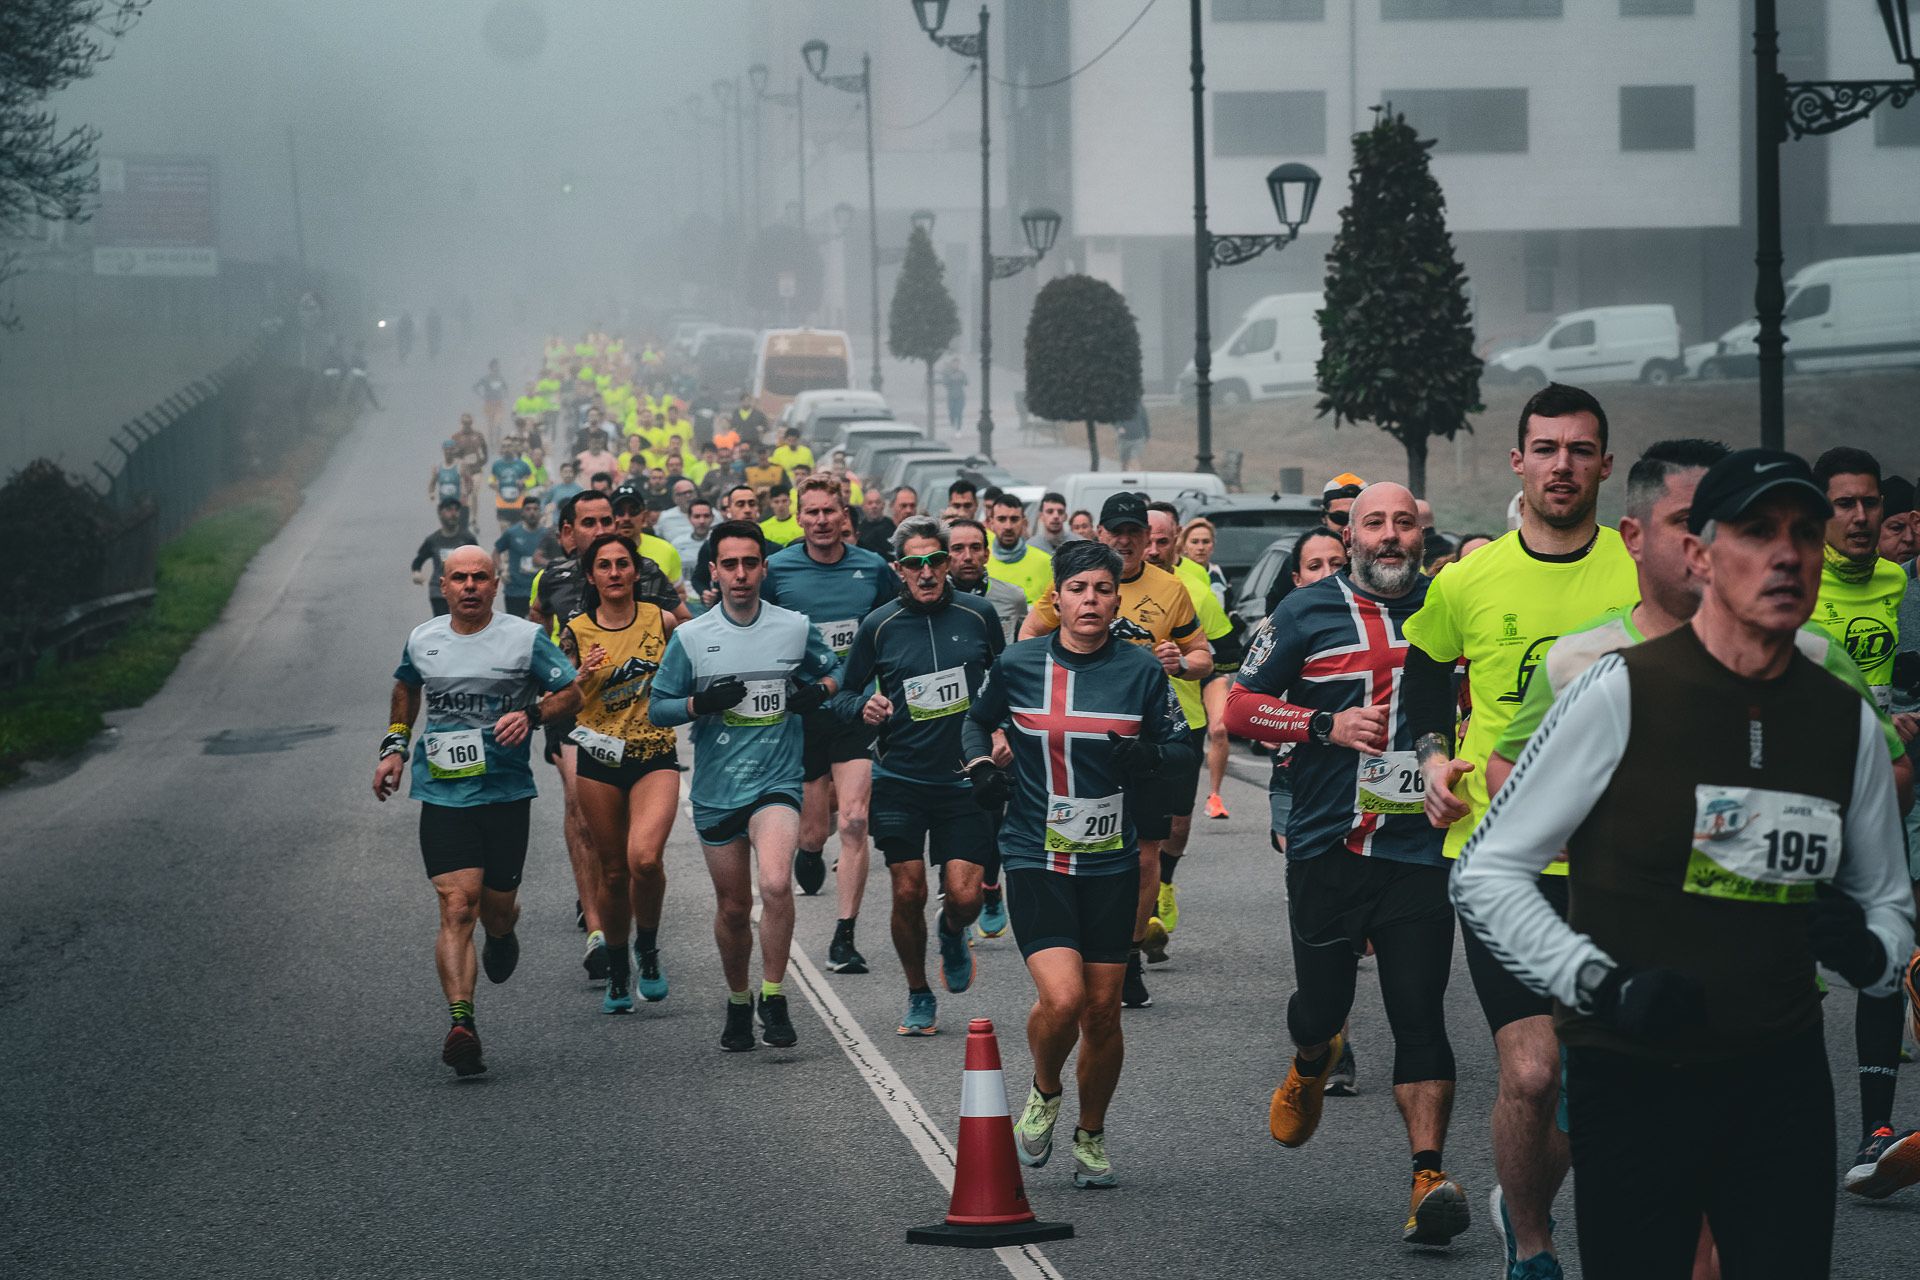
{"points": [[156, 262]]}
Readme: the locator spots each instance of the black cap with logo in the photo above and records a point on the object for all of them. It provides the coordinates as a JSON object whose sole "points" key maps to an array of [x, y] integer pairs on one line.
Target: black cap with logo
{"points": [[1124, 508], [1737, 481]]}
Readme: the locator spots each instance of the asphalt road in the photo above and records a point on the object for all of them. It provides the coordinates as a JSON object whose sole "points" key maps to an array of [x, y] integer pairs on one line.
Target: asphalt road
{"points": [[220, 1027]]}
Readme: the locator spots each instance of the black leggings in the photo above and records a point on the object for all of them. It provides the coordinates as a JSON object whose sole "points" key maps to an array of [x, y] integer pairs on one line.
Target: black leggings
{"points": [[1644, 1173], [1336, 904]]}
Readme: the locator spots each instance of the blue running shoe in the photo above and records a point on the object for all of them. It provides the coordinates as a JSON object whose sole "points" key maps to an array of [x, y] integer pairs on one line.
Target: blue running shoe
{"points": [[921, 1009], [956, 957], [1541, 1266], [993, 913], [619, 996], [653, 979]]}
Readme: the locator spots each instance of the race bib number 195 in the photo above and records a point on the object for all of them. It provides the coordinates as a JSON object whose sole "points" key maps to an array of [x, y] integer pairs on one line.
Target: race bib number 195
{"points": [[1755, 845]]}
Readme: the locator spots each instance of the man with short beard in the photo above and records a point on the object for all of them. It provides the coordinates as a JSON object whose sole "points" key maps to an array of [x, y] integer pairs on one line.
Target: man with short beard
{"points": [[967, 543], [1363, 864]]}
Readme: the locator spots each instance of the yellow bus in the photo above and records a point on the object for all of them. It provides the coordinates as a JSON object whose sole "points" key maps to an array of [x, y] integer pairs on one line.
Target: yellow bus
{"points": [[794, 360]]}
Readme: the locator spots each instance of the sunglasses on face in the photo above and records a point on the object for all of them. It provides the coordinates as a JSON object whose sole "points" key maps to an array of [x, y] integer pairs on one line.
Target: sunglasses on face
{"points": [[932, 560], [1337, 518]]}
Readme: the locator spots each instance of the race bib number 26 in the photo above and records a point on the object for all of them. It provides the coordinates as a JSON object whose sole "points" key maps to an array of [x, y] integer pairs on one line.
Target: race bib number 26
{"points": [[1390, 783]]}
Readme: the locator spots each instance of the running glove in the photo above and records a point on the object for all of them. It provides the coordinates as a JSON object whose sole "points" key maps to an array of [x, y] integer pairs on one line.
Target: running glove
{"points": [[807, 697], [1837, 931], [991, 785], [1655, 1005], [718, 696], [1135, 759]]}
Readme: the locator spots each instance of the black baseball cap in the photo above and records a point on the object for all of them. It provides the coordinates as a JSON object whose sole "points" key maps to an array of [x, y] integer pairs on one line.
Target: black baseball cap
{"points": [[450, 502], [627, 495], [1124, 508], [1740, 479]]}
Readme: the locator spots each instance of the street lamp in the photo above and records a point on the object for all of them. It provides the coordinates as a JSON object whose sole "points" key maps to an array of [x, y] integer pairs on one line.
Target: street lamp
{"points": [[1041, 227], [922, 220], [1794, 109], [1292, 187], [757, 77], [727, 94], [814, 53]]}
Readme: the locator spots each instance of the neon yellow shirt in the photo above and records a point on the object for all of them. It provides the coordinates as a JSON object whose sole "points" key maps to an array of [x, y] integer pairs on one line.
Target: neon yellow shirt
{"points": [[1862, 613], [781, 532], [1501, 609], [661, 552], [791, 456], [1213, 624], [1032, 572]]}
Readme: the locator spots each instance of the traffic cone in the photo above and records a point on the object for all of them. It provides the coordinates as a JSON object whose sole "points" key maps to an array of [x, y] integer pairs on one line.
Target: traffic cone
{"points": [[989, 1206]]}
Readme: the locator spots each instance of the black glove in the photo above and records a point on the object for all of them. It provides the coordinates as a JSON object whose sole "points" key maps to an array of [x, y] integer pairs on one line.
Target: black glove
{"points": [[991, 785], [1655, 1005], [807, 697], [718, 696], [1906, 672], [1837, 931], [1136, 759]]}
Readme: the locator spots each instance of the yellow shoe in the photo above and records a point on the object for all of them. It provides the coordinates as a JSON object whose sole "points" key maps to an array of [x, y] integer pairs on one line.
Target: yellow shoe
{"points": [[1439, 1209], [1295, 1111], [1168, 908], [1154, 941]]}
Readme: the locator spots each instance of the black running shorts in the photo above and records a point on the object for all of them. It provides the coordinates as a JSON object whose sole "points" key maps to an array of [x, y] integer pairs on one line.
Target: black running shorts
{"points": [[830, 741], [728, 825], [1089, 914], [1503, 997], [623, 775], [905, 818], [492, 837]]}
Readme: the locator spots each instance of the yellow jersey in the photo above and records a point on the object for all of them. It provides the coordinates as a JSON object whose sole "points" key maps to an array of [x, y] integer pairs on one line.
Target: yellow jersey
{"points": [[791, 456], [615, 698], [661, 552], [1154, 606], [1213, 625], [1501, 609], [1861, 612], [781, 532], [1032, 572]]}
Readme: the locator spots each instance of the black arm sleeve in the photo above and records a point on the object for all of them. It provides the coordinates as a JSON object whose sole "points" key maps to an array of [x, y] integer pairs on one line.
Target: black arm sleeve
{"points": [[1426, 687]]}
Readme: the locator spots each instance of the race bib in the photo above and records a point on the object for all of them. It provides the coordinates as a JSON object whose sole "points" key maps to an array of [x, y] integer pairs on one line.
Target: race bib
{"points": [[456, 753], [944, 693], [838, 636], [449, 489], [526, 566], [1755, 845], [605, 748], [765, 703], [1078, 824], [509, 493], [1390, 783]]}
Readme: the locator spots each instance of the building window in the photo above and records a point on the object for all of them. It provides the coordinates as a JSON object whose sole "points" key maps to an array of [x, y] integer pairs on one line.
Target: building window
{"points": [[1656, 8], [1656, 117], [1269, 10], [1897, 128], [1465, 121], [1422, 10], [1279, 124]]}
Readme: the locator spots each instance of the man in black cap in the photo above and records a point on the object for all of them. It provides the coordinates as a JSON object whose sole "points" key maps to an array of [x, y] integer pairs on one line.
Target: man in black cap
{"points": [[1727, 814], [430, 561], [1156, 613]]}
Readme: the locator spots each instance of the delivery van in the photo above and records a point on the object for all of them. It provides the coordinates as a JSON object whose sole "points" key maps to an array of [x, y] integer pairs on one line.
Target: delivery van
{"points": [[1599, 344], [1273, 351]]}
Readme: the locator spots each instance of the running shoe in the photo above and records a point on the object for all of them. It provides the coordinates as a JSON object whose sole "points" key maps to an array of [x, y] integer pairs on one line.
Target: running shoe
{"points": [[1439, 1209], [462, 1051], [738, 1036], [921, 1009], [653, 979], [1294, 1113], [1168, 907], [1342, 1080], [776, 1029], [842, 955], [1033, 1132], [1885, 1164], [993, 913], [619, 996], [1154, 941], [499, 957], [595, 961], [1216, 807], [956, 956], [1541, 1266], [809, 871], [1133, 991], [1092, 1171]]}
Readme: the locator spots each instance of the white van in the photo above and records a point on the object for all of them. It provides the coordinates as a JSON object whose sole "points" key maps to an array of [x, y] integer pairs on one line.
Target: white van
{"points": [[1272, 352], [1600, 344], [1086, 490], [1854, 313]]}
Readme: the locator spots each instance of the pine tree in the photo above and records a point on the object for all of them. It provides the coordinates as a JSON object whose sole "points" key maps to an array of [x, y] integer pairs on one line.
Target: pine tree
{"points": [[1083, 356], [1397, 330], [922, 318]]}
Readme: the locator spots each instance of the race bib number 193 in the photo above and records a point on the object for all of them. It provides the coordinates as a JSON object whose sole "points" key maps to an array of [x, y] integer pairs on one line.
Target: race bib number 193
{"points": [[1755, 845]]}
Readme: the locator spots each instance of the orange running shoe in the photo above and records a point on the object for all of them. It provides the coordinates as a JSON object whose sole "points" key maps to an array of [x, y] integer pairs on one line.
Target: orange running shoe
{"points": [[1216, 807], [1439, 1209], [1294, 1112]]}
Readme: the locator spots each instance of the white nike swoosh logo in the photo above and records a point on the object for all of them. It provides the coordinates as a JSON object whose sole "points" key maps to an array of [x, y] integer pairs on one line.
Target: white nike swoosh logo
{"points": [[1769, 466]]}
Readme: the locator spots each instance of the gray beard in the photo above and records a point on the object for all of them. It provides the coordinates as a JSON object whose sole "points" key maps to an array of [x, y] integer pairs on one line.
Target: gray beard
{"points": [[1381, 580]]}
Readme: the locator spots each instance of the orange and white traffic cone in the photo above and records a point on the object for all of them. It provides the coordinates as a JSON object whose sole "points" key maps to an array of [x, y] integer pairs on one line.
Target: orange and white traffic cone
{"points": [[989, 1206]]}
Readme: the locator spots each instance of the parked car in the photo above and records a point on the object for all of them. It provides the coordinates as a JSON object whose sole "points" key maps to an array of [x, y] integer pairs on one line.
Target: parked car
{"points": [[1088, 489], [1246, 524], [865, 436], [825, 422], [803, 405], [880, 460], [723, 363], [1599, 344], [1272, 352], [1250, 593]]}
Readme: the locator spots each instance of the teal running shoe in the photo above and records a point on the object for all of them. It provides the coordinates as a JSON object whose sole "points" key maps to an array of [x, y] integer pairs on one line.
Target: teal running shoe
{"points": [[956, 957], [921, 1009]]}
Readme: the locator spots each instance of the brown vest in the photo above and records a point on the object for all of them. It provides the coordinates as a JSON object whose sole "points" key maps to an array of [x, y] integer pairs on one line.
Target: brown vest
{"points": [[1694, 722]]}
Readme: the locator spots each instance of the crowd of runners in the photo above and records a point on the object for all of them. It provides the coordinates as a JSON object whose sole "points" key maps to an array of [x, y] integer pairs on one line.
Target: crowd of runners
{"points": [[1657, 773]]}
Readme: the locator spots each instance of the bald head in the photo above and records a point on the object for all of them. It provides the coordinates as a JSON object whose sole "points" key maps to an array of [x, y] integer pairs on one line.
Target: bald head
{"points": [[468, 559], [468, 582], [1383, 540], [1385, 495]]}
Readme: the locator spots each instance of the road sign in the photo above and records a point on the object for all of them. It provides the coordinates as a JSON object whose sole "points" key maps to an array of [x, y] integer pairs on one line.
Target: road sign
{"points": [[156, 217]]}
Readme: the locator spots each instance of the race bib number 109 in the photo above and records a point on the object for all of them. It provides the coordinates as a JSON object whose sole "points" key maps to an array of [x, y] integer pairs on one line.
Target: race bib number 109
{"points": [[765, 703], [1755, 845]]}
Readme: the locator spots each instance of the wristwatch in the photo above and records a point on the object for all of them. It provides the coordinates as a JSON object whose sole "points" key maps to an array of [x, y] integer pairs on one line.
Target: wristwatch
{"points": [[1320, 728], [533, 714]]}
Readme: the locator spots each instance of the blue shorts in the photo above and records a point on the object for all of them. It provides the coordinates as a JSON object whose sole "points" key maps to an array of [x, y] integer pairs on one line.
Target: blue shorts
{"points": [[724, 826]]}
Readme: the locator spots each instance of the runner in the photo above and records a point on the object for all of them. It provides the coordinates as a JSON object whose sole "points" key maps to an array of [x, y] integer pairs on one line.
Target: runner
{"points": [[835, 585], [1364, 867], [1501, 610], [492, 390], [482, 680], [510, 475], [967, 543], [627, 770], [735, 673], [1715, 857], [963, 496], [448, 481], [517, 552], [1155, 612], [782, 528], [1016, 561], [469, 451], [928, 651], [1094, 722], [1196, 548], [1053, 532], [430, 561]]}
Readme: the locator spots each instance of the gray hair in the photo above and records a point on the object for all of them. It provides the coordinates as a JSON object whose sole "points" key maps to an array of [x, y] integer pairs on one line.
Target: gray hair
{"points": [[918, 527]]}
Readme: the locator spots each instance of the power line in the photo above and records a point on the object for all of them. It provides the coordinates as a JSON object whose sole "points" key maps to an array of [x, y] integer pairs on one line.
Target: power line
{"points": [[965, 80], [1048, 84]]}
